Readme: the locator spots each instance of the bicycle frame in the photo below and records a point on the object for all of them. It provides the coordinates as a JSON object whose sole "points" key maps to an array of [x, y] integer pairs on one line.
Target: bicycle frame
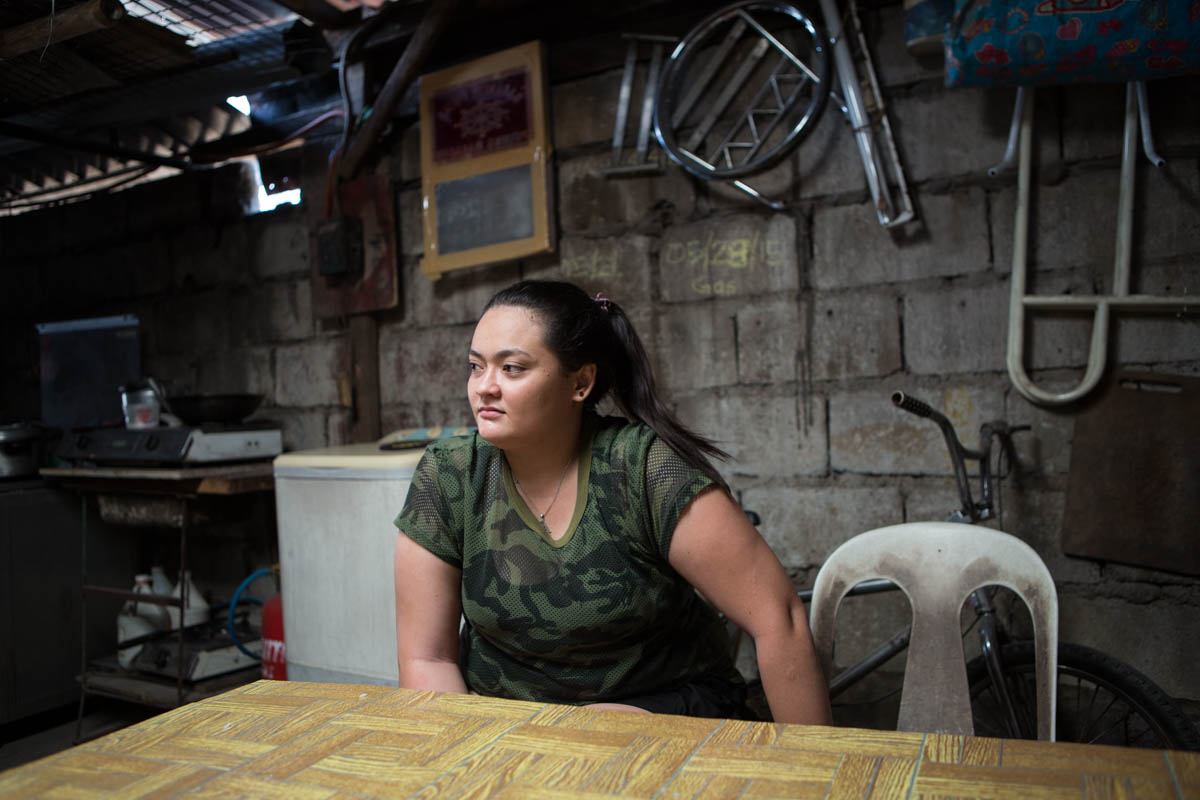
{"points": [[970, 512]]}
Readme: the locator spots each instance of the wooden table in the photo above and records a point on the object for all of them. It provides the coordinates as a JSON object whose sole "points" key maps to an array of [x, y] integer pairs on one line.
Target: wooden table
{"points": [[294, 739]]}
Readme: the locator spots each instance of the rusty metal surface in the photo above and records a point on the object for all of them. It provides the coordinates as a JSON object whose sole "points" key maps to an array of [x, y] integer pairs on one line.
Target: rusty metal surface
{"points": [[1133, 494], [370, 199], [151, 510]]}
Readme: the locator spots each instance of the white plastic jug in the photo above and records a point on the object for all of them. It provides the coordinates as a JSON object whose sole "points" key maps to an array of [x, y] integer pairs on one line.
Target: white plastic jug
{"points": [[138, 619], [197, 607], [159, 581], [155, 614]]}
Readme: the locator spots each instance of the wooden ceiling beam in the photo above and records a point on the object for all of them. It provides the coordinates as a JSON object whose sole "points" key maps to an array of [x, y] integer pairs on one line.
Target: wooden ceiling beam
{"points": [[91, 16]]}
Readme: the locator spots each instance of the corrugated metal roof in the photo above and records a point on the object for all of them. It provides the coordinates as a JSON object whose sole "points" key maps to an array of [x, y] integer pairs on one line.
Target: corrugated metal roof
{"points": [[155, 81]]}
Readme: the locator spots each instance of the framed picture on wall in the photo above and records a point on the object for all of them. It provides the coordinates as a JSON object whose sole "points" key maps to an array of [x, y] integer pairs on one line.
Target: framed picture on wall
{"points": [[485, 151]]}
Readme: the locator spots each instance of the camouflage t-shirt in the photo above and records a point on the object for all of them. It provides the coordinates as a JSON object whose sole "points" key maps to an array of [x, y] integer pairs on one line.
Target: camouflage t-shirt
{"points": [[598, 614]]}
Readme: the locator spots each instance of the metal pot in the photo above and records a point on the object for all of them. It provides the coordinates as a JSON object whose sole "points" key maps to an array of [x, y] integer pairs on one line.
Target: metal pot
{"points": [[198, 409], [20, 450]]}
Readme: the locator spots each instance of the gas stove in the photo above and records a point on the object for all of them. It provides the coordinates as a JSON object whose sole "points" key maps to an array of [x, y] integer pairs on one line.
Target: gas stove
{"points": [[173, 445]]}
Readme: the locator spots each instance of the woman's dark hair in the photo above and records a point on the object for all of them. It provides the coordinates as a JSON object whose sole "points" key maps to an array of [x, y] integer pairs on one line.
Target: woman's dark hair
{"points": [[579, 330]]}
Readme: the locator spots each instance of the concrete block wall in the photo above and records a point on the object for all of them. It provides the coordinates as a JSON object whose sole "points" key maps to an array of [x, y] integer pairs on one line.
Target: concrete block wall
{"points": [[783, 334], [224, 299], [780, 334]]}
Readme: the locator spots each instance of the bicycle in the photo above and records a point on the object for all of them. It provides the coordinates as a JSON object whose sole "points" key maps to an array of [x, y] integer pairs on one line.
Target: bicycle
{"points": [[1100, 699]]}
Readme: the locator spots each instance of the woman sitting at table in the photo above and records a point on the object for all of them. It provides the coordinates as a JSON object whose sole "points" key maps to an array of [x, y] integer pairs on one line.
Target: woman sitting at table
{"points": [[573, 543]]}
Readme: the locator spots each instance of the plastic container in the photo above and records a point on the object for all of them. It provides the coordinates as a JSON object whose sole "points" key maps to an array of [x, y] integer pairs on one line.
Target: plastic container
{"points": [[159, 582], [138, 619], [274, 651], [141, 406], [196, 610]]}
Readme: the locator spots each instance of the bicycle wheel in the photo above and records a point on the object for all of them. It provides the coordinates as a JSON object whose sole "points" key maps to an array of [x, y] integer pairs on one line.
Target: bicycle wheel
{"points": [[741, 89], [1100, 701]]}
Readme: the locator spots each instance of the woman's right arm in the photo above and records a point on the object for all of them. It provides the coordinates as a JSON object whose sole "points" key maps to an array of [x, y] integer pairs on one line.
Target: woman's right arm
{"points": [[428, 610]]}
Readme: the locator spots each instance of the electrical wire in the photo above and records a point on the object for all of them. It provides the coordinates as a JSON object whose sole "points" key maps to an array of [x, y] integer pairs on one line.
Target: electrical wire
{"points": [[335, 158]]}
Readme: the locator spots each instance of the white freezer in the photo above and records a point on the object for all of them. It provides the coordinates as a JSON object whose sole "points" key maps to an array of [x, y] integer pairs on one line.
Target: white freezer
{"points": [[335, 508]]}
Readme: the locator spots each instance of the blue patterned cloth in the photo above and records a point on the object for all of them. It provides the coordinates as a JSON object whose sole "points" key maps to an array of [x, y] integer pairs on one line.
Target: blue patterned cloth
{"points": [[1046, 42]]}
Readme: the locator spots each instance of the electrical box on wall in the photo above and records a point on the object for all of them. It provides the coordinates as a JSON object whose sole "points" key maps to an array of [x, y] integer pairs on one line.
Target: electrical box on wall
{"points": [[354, 253], [340, 247]]}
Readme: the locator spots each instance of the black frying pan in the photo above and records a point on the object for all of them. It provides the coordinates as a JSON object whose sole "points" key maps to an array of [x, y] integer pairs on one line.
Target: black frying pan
{"points": [[197, 409]]}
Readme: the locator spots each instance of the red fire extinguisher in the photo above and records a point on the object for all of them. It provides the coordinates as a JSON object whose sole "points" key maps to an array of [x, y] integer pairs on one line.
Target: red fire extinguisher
{"points": [[274, 655]]}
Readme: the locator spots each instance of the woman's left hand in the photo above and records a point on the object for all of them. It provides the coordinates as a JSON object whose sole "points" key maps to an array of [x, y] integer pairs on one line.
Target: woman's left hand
{"points": [[719, 552]]}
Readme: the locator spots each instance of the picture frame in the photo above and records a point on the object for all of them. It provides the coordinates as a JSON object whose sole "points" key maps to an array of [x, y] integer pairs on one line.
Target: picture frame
{"points": [[485, 153]]}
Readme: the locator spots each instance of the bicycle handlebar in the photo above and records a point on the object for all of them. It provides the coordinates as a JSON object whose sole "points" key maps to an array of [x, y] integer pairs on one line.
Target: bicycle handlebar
{"points": [[912, 404], [959, 454]]}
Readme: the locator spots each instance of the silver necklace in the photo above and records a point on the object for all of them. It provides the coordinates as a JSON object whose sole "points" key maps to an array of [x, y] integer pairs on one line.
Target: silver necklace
{"points": [[542, 516]]}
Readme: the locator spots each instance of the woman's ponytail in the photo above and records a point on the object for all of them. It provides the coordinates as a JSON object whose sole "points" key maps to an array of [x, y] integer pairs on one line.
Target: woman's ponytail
{"points": [[635, 391]]}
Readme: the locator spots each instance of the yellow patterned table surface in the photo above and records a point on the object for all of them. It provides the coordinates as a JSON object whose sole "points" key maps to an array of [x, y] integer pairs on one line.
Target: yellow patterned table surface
{"points": [[325, 740]]}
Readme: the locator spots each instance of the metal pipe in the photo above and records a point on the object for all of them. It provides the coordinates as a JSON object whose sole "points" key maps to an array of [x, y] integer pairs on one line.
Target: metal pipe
{"points": [[136, 597], [83, 622], [775, 205], [990, 648], [1101, 305], [649, 98], [1133, 302], [778, 45], [731, 88], [906, 212], [623, 101], [705, 77], [1120, 286], [1016, 306], [183, 599], [854, 674], [859, 121], [1147, 135], [403, 74], [870, 586], [1014, 131]]}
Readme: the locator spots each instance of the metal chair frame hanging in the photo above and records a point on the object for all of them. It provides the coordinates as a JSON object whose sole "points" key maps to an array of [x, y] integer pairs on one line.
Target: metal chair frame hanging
{"points": [[1101, 306], [762, 131]]}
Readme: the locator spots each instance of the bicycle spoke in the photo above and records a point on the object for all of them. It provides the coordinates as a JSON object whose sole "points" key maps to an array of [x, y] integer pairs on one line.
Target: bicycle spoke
{"points": [[1078, 691], [1089, 710], [1099, 737], [1083, 733]]}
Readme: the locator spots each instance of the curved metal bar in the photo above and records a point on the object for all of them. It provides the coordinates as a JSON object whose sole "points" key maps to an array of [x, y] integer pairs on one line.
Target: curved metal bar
{"points": [[1102, 306], [670, 114], [1016, 307], [1147, 135], [1014, 130], [775, 205]]}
